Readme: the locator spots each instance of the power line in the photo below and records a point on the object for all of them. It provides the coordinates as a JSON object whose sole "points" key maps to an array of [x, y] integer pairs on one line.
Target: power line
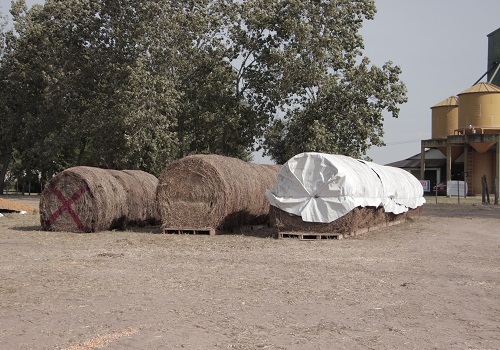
{"points": [[401, 142]]}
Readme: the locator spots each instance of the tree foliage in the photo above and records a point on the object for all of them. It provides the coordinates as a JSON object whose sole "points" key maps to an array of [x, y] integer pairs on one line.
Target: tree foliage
{"points": [[138, 83], [344, 117], [98, 99], [335, 100]]}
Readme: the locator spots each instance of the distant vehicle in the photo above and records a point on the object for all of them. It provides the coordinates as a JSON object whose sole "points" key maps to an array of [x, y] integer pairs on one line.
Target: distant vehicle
{"points": [[440, 187]]}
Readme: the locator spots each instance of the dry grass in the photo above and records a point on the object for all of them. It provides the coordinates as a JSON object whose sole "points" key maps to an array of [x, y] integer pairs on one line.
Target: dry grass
{"points": [[9, 205], [104, 340], [456, 200], [429, 283]]}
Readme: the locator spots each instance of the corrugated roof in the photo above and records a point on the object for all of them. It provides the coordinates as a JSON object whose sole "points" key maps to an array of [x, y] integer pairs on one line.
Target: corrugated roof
{"points": [[450, 101], [481, 87], [415, 163]]}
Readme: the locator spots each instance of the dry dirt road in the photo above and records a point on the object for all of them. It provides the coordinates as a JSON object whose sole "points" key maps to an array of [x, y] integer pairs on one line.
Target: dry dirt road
{"points": [[432, 283]]}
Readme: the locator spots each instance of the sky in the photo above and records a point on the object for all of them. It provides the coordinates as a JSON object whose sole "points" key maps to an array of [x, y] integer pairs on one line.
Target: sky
{"points": [[442, 49]]}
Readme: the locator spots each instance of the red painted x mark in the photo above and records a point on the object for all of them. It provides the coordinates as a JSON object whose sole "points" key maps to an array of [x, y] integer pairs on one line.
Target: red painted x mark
{"points": [[66, 205]]}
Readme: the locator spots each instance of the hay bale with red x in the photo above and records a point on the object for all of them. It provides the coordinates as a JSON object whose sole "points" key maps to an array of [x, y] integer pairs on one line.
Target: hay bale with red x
{"points": [[87, 199], [216, 192]]}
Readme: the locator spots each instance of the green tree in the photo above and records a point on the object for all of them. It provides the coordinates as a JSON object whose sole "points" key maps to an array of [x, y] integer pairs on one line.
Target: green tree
{"points": [[136, 84], [302, 59], [212, 117], [344, 117], [123, 84], [100, 99]]}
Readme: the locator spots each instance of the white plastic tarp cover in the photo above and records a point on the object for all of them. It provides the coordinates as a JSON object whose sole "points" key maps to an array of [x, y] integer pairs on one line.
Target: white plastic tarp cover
{"points": [[324, 187]]}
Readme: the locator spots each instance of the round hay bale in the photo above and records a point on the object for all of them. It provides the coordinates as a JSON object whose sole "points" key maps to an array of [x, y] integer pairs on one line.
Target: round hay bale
{"points": [[211, 191], [83, 199], [87, 199]]}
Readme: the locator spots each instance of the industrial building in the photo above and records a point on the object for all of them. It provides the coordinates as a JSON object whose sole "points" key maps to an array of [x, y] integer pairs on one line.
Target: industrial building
{"points": [[466, 131]]}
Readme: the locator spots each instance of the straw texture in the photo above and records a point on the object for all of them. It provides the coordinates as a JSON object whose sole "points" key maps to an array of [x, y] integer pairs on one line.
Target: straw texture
{"points": [[87, 199], [212, 191]]}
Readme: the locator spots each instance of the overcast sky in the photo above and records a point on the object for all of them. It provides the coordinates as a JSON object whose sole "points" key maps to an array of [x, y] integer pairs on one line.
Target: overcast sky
{"points": [[442, 48]]}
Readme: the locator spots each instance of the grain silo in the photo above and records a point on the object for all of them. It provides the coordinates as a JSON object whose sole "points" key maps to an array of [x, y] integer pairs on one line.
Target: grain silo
{"points": [[479, 109], [479, 114], [445, 122], [445, 118]]}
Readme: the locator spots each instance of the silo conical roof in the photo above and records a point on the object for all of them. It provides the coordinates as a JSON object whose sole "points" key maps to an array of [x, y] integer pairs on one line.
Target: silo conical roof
{"points": [[481, 87], [450, 101]]}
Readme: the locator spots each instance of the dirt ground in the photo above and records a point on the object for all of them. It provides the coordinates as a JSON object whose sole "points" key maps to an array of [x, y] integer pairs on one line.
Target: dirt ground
{"points": [[431, 283]]}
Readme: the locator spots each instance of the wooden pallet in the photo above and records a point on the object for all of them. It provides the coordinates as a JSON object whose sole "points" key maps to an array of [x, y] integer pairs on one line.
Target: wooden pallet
{"points": [[191, 231], [312, 236], [309, 236]]}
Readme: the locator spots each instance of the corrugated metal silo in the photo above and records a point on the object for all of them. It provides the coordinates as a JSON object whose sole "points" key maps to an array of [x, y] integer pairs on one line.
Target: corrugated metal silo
{"points": [[479, 109], [445, 118], [444, 123]]}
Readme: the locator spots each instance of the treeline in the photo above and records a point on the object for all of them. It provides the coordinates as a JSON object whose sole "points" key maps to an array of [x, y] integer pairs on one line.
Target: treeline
{"points": [[136, 84]]}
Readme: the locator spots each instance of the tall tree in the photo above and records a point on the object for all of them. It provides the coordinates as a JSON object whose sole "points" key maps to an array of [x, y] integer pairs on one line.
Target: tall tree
{"points": [[212, 117], [304, 59], [102, 100]]}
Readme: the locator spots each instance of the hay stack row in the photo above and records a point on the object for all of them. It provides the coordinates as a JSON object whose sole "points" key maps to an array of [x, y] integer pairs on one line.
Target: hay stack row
{"points": [[311, 192], [196, 192]]}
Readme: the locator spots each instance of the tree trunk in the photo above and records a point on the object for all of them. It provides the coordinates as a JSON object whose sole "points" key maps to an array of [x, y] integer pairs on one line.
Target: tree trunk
{"points": [[3, 172]]}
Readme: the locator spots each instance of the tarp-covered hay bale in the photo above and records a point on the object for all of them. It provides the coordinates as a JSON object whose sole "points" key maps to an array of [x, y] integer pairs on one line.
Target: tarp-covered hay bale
{"points": [[211, 191], [326, 193], [87, 199]]}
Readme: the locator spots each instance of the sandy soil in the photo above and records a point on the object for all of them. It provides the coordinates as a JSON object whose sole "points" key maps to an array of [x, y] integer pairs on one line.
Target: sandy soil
{"points": [[432, 283], [19, 203]]}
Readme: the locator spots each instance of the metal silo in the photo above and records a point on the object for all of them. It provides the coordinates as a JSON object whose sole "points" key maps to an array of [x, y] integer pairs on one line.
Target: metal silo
{"points": [[479, 113], [445, 118], [445, 122], [479, 109]]}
